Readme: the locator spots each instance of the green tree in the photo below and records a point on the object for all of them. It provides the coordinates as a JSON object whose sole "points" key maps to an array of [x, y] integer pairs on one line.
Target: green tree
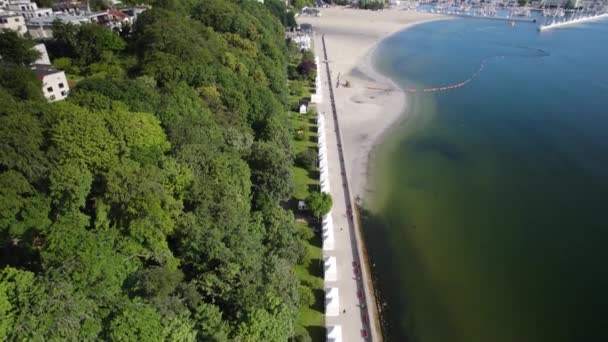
{"points": [[86, 43], [270, 171], [320, 203], [17, 50], [307, 159], [137, 322], [15, 291], [20, 82]]}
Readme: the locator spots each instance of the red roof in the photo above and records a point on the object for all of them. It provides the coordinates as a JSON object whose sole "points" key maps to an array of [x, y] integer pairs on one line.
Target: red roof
{"points": [[117, 13]]}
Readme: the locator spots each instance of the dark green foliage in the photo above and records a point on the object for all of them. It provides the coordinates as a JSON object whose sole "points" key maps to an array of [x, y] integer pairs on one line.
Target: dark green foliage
{"points": [[17, 50], [372, 4], [301, 335], [270, 171], [86, 43], [147, 206], [307, 298], [290, 19], [139, 94], [319, 203], [307, 159], [20, 82]]}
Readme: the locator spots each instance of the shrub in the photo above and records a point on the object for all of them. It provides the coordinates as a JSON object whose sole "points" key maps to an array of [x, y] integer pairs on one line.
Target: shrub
{"points": [[319, 203], [307, 298], [307, 159]]}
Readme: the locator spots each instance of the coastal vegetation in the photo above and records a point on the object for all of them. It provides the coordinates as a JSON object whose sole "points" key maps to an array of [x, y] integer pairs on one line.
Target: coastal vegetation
{"points": [[150, 205], [311, 320], [371, 4]]}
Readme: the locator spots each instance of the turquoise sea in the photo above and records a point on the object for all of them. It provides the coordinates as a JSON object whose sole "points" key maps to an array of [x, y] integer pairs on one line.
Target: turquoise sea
{"points": [[490, 218]]}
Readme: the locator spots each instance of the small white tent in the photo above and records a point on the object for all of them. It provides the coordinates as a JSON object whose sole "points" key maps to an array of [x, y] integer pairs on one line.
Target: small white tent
{"points": [[334, 333], [328, 238], [328, 222], [331, 268], [332, 301], [325, 186]]}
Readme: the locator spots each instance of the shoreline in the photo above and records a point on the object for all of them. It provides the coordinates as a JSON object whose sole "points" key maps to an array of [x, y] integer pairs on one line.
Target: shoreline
{"points": [[363, 113], [368, 115]]}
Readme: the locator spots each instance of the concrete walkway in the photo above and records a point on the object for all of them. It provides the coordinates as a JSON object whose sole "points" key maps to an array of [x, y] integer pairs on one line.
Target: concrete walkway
{"points": [[358, 322]]}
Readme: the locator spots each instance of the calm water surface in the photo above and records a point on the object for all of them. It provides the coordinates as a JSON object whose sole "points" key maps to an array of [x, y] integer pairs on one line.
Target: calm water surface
{"points": [[490, 219]]}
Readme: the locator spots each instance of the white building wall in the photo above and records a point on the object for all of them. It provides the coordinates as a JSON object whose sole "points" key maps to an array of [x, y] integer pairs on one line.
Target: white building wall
{"points": [[44, 56], [29, 9], [55, 86], [13, 22]]}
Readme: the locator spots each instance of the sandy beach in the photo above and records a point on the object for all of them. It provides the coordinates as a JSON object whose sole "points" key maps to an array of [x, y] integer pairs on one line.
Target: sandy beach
{"points": [[351, 38], [360, 113]]}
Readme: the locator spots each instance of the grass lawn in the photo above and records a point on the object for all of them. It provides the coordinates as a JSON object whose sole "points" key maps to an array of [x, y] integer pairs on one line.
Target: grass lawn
{"points": [[304, 129], [313, 318], [310, 318]]}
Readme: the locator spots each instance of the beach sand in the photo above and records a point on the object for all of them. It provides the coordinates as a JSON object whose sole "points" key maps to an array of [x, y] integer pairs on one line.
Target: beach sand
{"points": [[363, 115], [351, 37]]}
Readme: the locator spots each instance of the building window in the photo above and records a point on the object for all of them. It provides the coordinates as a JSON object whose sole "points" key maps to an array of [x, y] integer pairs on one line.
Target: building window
{"points": [[39, 15], [49, 89], [64, 93], [60, 85], [52, 98], [16, 20]]}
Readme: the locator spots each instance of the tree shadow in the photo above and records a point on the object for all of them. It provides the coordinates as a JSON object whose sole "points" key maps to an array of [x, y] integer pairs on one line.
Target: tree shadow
{"points": [[313, 187], [319, 304], [314, 174], [313, 139], [21, 253], [315, 268], [316, 333]]}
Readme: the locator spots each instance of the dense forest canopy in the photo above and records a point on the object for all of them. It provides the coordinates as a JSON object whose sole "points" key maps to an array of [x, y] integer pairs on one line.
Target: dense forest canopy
{"points": [[146, 207]]}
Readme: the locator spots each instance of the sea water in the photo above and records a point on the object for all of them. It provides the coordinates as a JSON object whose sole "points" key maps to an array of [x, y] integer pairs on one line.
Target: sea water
{"points": [[489, 220]]}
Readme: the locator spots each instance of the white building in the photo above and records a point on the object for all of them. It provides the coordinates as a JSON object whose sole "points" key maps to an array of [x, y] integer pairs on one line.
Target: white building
{"points": [[44, 56], [54, 83], [28, 9], [12, 21]]}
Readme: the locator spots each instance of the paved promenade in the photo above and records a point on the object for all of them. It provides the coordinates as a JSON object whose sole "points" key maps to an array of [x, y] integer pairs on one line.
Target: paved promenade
{"points": [[357, 308]]}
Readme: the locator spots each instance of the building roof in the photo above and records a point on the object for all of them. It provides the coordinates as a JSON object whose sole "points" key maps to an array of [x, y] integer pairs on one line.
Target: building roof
{"points": [[9, 14], [118, 14], [42, 70], [65, 18]]}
